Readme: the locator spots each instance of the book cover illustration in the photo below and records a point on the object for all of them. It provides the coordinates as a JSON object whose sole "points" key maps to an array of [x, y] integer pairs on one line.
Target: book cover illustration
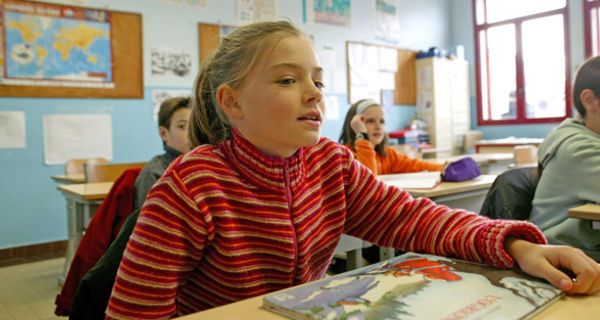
{"points": [[417, 286]]}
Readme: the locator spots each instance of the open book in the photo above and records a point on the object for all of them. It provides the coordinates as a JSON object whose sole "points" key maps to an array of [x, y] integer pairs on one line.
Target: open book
{"points": [[417, 286], [418, 180]]}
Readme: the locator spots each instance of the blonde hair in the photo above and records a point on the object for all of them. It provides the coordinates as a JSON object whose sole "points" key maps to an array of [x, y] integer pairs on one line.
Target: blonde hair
{"points": [[230, 64]]}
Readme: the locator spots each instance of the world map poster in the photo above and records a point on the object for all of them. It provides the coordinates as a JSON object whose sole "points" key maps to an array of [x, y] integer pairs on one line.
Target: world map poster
{"points": [[54, 45]]}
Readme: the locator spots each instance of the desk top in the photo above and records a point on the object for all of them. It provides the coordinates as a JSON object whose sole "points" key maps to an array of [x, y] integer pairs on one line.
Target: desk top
{"points": [[480, 158], [73, 178], [590, 211], [576, 307], [509, 141], [447, 188], [86, 191]]}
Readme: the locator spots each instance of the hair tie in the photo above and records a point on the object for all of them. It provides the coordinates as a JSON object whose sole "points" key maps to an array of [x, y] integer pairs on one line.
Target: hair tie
{"points": [[364, 105]]}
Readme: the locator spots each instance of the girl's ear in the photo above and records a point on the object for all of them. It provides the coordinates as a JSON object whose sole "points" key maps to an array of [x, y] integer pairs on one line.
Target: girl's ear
{"points": [[227, 101]]}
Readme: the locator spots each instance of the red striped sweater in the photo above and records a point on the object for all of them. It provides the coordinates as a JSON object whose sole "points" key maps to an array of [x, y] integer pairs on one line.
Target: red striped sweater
{"points": [[228, 222]]}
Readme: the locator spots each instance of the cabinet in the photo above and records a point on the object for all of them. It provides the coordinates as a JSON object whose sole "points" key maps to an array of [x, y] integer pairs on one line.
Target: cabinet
{"points": [[443, 102]]}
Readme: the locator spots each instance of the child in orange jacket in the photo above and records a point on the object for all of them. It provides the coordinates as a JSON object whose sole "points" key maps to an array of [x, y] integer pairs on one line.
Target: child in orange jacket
{"points": [[364, 133]]}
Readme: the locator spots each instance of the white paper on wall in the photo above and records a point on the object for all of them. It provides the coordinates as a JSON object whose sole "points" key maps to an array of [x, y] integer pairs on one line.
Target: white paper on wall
{"points": [[12, 129], [158, 96], [76, 136], [265, 10]]}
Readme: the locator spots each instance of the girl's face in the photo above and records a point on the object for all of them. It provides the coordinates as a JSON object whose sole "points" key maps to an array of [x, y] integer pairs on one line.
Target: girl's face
{"points": [[373, 117], [175, 136], [280, 101]]}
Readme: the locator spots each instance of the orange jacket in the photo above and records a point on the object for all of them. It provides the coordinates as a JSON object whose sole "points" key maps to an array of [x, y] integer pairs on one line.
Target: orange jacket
{"points": [[393, 162]]}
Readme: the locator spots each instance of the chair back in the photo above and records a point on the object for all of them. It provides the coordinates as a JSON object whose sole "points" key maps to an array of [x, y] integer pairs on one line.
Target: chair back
{"points": [[511, 194], [108, 171], [75, 166]]}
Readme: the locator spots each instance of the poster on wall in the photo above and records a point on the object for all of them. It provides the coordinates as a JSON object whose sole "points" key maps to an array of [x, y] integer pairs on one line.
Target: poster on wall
{"points": [[12, 129], [76, 136], [160, 95], [54, 45], [170, 62], [335, 12], [387, 20], [248, 11]]}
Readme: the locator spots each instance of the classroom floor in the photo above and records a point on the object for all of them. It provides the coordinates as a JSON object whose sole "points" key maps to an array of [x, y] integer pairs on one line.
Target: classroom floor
{"points": [[27, 291]]}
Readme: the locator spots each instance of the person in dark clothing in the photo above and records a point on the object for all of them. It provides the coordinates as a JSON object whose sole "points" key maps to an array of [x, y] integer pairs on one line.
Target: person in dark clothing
{"points": [[173, 119]]}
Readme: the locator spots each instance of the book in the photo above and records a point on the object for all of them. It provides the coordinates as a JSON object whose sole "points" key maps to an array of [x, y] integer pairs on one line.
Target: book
{"points": [[417, 180], [417, 286]]}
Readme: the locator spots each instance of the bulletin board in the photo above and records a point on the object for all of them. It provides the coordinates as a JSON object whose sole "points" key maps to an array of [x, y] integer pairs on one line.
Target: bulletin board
{"points": [[209, 38], [373, 69], [127, 61]]}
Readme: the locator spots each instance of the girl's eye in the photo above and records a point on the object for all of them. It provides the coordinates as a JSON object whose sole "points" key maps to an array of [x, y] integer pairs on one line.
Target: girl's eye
{"points": [[319, 84], [287, 82]]}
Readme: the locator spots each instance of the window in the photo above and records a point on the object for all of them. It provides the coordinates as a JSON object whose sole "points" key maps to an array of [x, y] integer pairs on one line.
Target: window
{"points": [[591, 18], [522, 74]]}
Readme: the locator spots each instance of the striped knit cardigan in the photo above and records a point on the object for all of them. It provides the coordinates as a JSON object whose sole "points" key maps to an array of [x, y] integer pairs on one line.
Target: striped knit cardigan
{"points": [[227, 222]]}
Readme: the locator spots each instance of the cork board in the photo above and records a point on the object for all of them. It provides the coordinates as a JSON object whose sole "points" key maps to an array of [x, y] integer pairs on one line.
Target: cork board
{"points": [[127, 56]]}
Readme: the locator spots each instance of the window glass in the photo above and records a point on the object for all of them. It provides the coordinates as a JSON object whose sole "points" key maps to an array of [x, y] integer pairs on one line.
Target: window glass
{"points": [[498, 10]]}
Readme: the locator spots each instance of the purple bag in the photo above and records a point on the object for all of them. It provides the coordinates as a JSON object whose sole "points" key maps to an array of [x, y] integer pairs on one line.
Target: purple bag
{"points": [[461, 170]]}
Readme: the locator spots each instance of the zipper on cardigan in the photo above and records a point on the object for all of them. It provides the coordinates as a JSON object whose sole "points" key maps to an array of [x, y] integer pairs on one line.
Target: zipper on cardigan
{"points": [[288, 196]]}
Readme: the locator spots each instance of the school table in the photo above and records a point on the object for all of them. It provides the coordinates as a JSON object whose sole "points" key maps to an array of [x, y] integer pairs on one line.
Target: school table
{"points": [[468, 195], [82, 201], [589, 211], [72, 178], [568, 307], [489, 163], [505, 145]]}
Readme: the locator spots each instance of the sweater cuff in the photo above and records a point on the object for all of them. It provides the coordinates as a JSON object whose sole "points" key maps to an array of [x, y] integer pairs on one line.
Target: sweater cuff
{"points": [[490, 244]]}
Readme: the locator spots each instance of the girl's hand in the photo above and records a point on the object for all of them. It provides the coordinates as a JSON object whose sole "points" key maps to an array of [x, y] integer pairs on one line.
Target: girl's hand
{"points": [[551, 263], [358, 123]]}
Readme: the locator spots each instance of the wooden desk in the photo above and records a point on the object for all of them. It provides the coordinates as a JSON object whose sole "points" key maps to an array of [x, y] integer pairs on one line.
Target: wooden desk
{"points": [[590, 211], [504, 145], [82, 201], [74, 178], [576, 307], [489, 163], [468, 195]]}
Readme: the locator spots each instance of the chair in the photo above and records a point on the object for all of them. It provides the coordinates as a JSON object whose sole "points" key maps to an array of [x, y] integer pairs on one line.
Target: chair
{"points": [[75, 166], [105, 172], [511, 194]]}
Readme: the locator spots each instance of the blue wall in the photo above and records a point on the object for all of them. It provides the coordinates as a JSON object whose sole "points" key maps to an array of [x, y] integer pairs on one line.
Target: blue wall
{"points": [[33, 211]]}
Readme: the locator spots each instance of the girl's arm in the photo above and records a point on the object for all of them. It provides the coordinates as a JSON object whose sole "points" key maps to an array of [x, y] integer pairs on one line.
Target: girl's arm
{"points": [[166, 244], [389, 216], [365, 154], [399, 163]]}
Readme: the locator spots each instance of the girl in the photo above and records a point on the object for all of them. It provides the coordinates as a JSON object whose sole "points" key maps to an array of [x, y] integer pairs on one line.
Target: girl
{"points": [[364, 133], [262, 207]]}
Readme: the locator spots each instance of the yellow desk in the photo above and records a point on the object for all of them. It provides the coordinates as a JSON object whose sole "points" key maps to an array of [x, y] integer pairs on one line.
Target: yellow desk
{"points": [[504, 145], [74, 178], [590, 211], [489, 163], [585, 307], [82, 201]]}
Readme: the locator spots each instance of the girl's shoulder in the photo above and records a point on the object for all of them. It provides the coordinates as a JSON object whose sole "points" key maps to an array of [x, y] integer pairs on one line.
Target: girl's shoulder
{"points": [[201, 158], [327, 148]]}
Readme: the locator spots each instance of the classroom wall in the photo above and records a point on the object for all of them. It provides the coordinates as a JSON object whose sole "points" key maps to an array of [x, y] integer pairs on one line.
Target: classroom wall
{"points": [[461, 22], [32, 210]]}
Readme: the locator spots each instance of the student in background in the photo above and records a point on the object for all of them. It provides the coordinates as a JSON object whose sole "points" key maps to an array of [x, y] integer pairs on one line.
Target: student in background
{"points": [[364, 133], [263, 206], [173, 119], [570, 163]]}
